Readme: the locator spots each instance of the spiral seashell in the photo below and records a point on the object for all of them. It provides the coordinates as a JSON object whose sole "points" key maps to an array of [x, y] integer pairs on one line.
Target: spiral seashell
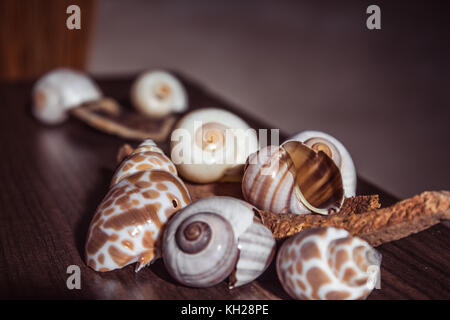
{"points": [[211, 144], [158, 93], [214, 238], [60, 90], [147, 156], [292, 178], [127, 225], [327, 264], [318, 140]]}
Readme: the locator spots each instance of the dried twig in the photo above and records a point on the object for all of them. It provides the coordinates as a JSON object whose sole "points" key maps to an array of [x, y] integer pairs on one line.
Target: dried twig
{"points": [[376, 226]]}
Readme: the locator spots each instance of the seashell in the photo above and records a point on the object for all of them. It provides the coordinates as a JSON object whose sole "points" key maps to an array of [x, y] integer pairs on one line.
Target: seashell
{"points": [[147, 156], [214, 238], [211, 144], [158, 93], [334, 149], [292, 178], [126, 226], [327, 264], [60, 90]]}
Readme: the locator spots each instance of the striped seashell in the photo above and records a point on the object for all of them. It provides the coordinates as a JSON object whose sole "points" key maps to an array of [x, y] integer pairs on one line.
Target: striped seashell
{"points": [[292, 178], [327, 264], [147, 156], [214, 238], [334, 149], [126, 226]]}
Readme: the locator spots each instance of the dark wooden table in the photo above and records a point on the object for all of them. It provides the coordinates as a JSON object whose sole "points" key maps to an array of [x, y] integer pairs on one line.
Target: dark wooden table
{"points": [[52, 179]]}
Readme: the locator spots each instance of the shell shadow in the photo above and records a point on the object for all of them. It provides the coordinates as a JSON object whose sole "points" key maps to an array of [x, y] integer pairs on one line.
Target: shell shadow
{"points": [[95, 196]]}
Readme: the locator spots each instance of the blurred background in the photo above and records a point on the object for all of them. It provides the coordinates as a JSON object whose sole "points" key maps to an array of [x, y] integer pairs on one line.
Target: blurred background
{"points": [[294, 64]]}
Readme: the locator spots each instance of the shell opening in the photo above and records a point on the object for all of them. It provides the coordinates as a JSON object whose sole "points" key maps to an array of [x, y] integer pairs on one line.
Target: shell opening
{"points": [[193, 236], [322, 144], [211, 136], [318, 181]]}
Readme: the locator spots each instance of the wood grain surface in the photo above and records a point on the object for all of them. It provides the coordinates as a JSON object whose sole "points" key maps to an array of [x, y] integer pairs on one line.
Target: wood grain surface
{"points": [[52, 180]]}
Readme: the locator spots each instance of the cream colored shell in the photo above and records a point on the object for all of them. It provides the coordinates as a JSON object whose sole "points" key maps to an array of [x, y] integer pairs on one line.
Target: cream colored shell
{"points": [[60, 90], [346, 164], [327, 264], [158, 93], [211, 144]]}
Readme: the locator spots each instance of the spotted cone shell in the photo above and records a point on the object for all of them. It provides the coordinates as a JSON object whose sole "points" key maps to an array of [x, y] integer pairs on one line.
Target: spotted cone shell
{"points": [[127, 224]]}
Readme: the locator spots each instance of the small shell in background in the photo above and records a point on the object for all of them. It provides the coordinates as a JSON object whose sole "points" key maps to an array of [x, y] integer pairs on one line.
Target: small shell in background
{"points": [[158, 93], [211, 144], [214, 238], [127, 225], [60, 90], [327, 264], [334, 149], [292, 178]]}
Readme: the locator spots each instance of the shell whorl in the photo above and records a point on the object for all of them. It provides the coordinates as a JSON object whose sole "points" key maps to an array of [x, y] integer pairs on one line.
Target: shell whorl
{"points": [[327, 264], [292, 178], [206, 256], [339, 154]]}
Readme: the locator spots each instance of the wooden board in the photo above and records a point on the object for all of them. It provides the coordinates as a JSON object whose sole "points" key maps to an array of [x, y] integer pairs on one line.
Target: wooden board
{"points": [[52, 180]]}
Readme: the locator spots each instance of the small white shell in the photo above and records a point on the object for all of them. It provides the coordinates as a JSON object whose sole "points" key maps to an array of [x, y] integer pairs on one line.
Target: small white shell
{"points": [[327, 264], [158, 93], [60, 90], [292, 178], [211, 144], [339, 153], [254, 242]]}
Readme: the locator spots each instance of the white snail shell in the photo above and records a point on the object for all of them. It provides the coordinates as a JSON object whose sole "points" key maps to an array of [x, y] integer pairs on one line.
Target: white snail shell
{"points": [[337, 151], [214, 238], [158, 93], [126, 227], [60, 90], [327, 264], [292, 178], [211, 144]]}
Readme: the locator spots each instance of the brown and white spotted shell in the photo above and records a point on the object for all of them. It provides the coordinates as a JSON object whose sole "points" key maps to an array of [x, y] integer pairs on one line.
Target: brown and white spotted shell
{"points": [[292, 178], [214, 238], [127, 225], [60, 90], [147, 156], [327, 264]]}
